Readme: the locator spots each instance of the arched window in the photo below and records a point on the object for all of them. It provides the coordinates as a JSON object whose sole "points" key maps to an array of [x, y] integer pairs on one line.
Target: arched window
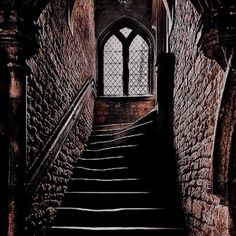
{"points": [[124, 62]]}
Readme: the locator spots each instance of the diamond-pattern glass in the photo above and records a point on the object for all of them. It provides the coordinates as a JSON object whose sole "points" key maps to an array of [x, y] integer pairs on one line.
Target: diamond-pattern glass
{"points": [[113, 67], [125, 31], [138, 66]]}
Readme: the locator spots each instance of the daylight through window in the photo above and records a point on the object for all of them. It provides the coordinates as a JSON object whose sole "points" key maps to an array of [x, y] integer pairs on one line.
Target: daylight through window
{"points": [[125, 64]]}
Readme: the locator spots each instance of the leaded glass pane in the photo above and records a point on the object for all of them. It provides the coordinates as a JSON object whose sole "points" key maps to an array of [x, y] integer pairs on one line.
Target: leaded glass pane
{"points": [[113, 67], [138, 66], [125, 31]]}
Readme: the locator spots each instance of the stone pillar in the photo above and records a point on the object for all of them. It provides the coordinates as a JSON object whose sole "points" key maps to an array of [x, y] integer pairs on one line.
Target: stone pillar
{"points": [[218, 42], [16, 45]]}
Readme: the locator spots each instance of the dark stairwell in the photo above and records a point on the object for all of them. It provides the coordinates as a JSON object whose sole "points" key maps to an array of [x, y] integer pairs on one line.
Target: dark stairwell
{"points": [[124, 182]]}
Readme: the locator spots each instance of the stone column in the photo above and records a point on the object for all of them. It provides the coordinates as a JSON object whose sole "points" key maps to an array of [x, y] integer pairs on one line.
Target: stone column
{"points": [[16, 44], [218, 42]]}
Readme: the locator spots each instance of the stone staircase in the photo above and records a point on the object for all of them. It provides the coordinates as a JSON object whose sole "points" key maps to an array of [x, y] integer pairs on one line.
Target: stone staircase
{"points": [[107, 195]]}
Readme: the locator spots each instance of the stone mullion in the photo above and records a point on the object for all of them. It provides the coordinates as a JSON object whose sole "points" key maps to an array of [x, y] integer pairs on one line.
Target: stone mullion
{"points": [[126, 69]]}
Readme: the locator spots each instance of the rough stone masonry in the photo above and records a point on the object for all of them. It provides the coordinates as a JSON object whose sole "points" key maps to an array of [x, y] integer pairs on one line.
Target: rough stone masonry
{"points": [[64, 62], [198, 87]]}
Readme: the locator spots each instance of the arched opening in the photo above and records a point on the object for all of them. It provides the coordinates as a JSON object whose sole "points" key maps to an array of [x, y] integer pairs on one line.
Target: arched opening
{"points": [[125, 60], [126, 85]]}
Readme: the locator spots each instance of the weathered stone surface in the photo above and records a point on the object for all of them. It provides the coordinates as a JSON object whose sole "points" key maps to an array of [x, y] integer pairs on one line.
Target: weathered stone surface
{"points": [[64, 62], [198, 89], [53, 186]]}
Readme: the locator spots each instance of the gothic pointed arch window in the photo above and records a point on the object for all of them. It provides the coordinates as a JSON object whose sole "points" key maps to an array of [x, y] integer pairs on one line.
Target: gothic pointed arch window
{"points": [[125, 62]]}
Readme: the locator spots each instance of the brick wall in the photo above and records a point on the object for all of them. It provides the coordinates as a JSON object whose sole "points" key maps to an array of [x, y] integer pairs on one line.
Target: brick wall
{"points": [[62, 65], [121, 109], [197, 92]]}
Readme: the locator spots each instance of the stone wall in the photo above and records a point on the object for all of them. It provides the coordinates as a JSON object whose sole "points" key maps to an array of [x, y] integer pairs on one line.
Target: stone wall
{"points": [[109, 11], [198, 89], [50, 192], [121, 109], [64, 62]]}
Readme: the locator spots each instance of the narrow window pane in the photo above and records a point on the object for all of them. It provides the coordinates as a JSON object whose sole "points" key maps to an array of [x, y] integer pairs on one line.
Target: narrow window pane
{"points": [[138, 66], [113, 67]]}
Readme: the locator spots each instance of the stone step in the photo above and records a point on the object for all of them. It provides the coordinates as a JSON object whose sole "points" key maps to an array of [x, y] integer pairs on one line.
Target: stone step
{"points": [[97, 200], [103, 135], [111, 126], [109, 151], [118, 217], [97, 173], [102, 162], [106, 130], [88, 184], [123, 140], [103, 231], [135, 129], [100, 137]]}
